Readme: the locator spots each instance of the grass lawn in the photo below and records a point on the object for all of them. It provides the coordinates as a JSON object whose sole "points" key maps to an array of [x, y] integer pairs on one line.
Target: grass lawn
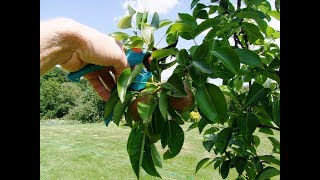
{"points": [[94, 151]]}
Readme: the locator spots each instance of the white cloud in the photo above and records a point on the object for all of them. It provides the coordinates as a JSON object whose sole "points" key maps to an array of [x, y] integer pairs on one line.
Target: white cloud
{"points": [[160, 6]]}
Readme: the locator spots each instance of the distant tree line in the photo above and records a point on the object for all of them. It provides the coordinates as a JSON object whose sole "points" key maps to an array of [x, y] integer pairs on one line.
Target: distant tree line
{"points": [[63, 99]]}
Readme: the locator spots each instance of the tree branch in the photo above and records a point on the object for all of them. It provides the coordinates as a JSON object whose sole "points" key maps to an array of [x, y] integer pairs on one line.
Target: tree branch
{"points": [[238, 41], [235, 40], [238, 4], [227, 154]]}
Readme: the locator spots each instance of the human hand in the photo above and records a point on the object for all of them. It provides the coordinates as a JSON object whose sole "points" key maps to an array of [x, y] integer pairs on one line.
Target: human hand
{"points": [[73, 46]]}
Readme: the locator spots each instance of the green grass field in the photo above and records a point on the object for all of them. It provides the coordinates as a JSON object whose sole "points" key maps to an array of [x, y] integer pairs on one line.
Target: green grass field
{"points": [[94, 151]]}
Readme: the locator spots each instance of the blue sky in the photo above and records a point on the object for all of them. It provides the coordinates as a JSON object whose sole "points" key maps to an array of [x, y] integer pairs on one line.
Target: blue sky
{"points": [[104, 15]]}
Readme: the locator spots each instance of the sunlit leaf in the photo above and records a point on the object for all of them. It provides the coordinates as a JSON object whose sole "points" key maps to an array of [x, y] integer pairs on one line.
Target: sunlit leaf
{"points": [[125, 22]]}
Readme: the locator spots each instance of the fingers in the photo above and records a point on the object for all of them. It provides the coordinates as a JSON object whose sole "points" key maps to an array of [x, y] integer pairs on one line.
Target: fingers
{"points": [[105, 51], [99, 87], [102, 81]]}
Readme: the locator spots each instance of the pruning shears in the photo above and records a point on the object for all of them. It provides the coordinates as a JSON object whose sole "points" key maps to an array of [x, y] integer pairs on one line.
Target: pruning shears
{"points": [[134, 56]]}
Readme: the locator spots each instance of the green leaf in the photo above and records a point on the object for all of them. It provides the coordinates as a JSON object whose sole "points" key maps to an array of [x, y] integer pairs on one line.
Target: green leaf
{"points": [[135, 147], [270, 159], [252, 31], [221, 71], [212, 103], [120, 108], [145, 111], [135, 38], [269, 74], [211, 130], [131, 10], [214, 32], [276, 110], [266, 131], [198, 77], [163, 104], [144, 17], [193, 125], [263, 116], [275, 14], [267, 173], [194, 3], [276, 35], [112, 101], [156, 125], [175, 86], [248, 15], [240, 163], [202, 67], [163, 53], [248, 57], [147, 35], [247, 77], [188, 19], [201, 14], [202, 124], [265, 7], [223, 140], [155, 22], [211, 22], [241, 177], [155, 155], [165, 135], [183, 57], [228, 57], [270, 31], [277, 4], [256, 140], [225, 169], [251, 148], [200, 164], [148, 163], [119, 35], [213, 9], [248, 123], [250, 171], [218, 162], [201, 51], [262, 24], [136, 44], [125, 22], [255, 94], [209, 163], [164, 22], [175, 141], [123, 84], [125, 79], [179, 27], [172, 37], [139, 16], [208, 144], [275, 142]]}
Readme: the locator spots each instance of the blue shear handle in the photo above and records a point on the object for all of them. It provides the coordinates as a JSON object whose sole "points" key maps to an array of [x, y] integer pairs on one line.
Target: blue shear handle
{"points": [[75, 76], [133, 58]]}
